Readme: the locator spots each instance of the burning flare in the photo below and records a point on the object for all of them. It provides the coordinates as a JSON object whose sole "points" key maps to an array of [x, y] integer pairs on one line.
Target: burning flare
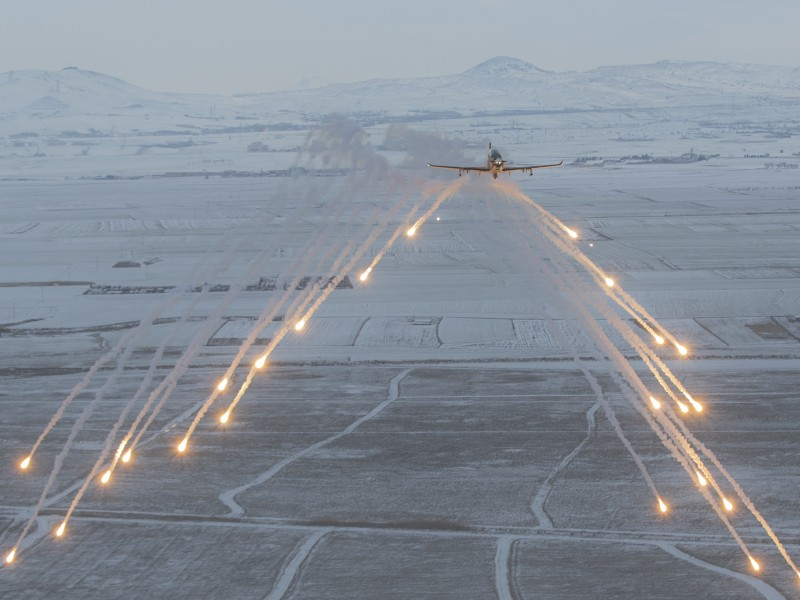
{"points": [[11, 555], [656, 404], [662, 505], [126, 457], [411, 231], [659, 339], [572, 233], [754, 562], [683, 407], [106, 476], [182, 445], [260, 362], [225, 416], [727, 504], [222, 384], [61, 529], [365, 274], [25, 463], [701, 480], [609, 282], [299, 325], [682, 350]]}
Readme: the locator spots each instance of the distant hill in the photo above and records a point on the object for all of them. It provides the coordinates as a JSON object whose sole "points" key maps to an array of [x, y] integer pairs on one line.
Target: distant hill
{"points": [[53, 101]]}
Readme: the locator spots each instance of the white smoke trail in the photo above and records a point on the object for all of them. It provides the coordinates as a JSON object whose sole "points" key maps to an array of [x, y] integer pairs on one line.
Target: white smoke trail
{"points": [[673, 439]]}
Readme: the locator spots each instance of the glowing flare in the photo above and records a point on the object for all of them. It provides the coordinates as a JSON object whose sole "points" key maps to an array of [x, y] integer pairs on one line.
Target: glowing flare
{"points": [[609, 282], [682, 350], [727, 503], [225, 416], [121, 448], [437, 218], [697, 406], [182, 445], [572, 234], [662, 505], [126, 457], [411, 231], [260, 362], [222, 384], [299, 325], [701, 480], [754, 562], [683, 407], [656, 404], [11, 555], [61, 529], [106, 476], [364, 275], [25, 463], [659, 339]]}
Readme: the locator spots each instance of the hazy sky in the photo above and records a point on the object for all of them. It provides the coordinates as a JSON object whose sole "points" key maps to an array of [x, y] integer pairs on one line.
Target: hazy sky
{"points": [[264, 45]]}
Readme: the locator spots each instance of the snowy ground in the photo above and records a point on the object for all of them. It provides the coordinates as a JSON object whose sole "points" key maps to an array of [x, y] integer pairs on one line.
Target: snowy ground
{"points": [[430, 433]]}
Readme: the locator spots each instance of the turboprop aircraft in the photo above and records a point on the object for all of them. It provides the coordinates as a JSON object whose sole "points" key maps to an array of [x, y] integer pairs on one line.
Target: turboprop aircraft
{"points": [[495, 165]]}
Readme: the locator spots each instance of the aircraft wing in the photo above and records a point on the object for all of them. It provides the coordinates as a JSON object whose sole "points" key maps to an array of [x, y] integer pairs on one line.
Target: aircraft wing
{"points": [[460, 169], [530, 168]]}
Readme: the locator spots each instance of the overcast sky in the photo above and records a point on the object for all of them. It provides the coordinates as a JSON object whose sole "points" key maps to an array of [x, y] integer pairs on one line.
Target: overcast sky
{"points": [[264, 45]]}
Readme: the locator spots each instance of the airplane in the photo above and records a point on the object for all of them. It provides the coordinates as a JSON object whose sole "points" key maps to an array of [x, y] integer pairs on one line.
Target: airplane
{"points": [[495, 165]]}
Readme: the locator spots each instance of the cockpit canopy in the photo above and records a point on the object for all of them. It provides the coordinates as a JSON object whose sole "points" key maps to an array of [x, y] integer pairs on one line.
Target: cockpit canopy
{"points": [[494, 155]]}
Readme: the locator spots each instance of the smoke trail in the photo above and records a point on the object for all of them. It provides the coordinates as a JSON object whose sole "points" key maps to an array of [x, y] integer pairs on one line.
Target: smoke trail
{"points": [[631, 377], [446, 193], [129, 337], [76, 428], [552, 276], [339, 143]]}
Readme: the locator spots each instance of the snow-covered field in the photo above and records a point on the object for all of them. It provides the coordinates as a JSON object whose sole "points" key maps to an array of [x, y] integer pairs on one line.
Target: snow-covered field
{"points": [[438, 431]]}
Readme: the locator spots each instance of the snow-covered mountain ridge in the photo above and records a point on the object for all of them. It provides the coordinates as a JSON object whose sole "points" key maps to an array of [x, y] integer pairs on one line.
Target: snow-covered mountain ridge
{"points": [[34, 100]]}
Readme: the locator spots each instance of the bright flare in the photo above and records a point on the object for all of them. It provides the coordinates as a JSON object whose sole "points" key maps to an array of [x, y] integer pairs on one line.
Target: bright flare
{"points": [[609, 282], [662, 505], [659, 339], [572, 234], [260, 362], [754, 562], [683, 407], [121, 448], [697, 406], [365, 274], [61, 528], [656, 404], [11, 555], [411, 231], [682, 350], [106, 476], [222, 384], [727, 503], [299, 325], [182, 445], [25, 463], [126, 457], [225, 416], [701, 480]]}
